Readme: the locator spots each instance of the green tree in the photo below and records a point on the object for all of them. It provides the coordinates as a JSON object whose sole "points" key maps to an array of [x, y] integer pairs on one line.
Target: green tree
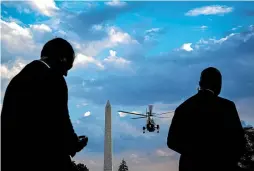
{"points": [[79, 167], [247, 160], [82, 167], [123, 166]]}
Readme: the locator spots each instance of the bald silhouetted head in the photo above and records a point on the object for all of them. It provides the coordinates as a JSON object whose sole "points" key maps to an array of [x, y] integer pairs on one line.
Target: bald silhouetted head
{"points": [[211, 79], [59, 54]]}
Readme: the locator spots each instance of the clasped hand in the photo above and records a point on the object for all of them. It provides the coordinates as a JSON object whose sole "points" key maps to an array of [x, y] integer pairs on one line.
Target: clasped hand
{"points": [[82, 142]]}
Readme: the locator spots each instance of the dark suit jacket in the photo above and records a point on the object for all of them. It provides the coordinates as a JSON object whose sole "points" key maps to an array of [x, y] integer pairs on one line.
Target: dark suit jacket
{"points": [[37, 133], [206, 131]]}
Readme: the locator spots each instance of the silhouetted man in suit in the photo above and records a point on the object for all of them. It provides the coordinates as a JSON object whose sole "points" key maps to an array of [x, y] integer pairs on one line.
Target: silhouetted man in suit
{"points": [[206, 129], [37, 133]]}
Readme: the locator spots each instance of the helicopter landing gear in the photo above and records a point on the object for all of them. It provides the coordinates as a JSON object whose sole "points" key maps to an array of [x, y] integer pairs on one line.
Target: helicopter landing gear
{"points": [[144, 129], [158, 128]]}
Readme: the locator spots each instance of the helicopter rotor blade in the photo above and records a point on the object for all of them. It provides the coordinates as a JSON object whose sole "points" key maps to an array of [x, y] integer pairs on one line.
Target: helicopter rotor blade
{"points": [[161, 117], [132, 113], [155, 114], [139, 117]]}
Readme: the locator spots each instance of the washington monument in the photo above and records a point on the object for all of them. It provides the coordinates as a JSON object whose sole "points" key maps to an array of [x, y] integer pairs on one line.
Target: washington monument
{"points": [[108, 139]]}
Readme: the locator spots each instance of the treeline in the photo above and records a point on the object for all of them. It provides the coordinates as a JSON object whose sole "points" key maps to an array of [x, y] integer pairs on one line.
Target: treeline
{"points": [[247, 161], [79, 167]]}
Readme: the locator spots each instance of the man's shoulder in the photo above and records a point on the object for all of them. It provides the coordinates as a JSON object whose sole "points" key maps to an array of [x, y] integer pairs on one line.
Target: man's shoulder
{"points": [[225, 101], [31, 68], [43, 70], [21, 73], [33, 64], [187, 102]]}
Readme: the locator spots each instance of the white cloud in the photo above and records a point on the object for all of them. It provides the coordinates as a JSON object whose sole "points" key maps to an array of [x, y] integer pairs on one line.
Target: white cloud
{"points": [[147, 38], [41, 32], [87, 114], [150, 35], [117, 61], [97, 27], [45, 7], [60, 33], [187, 47], [41, 27], [116, 3], [202, 41], [153, 30], [126, 128], [92, 162], [214, 43], [16, 38], [27, 11], [162, 153], [14, 20], [235, 28], [133, 156], [114, 38], [8, 72], [80, 105], [210, 10], [203, 27], [83, 61], [118, 37], [223, 39], [76, 45], [15, 29]]}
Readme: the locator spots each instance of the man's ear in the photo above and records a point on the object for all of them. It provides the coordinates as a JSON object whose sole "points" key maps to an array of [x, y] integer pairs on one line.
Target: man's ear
{"points": [[64, 59], [44, 57]]}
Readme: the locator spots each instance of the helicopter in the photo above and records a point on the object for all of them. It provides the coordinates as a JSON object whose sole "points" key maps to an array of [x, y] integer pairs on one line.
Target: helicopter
{"points": [[150, 123]]}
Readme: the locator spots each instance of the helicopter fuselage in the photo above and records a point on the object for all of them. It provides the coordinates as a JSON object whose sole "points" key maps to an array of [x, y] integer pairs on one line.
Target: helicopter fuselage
{"points": [[150, 126]]}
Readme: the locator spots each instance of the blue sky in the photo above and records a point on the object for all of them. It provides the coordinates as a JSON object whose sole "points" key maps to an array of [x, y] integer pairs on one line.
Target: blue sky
{"points": [[134, 54]]}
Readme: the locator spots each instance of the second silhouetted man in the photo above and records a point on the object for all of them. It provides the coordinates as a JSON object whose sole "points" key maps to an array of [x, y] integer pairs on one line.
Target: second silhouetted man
{"points": [[206, 129]]}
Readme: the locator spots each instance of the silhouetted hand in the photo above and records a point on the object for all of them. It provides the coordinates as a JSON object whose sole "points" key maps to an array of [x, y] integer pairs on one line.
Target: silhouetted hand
{"points": [[82, 142]]}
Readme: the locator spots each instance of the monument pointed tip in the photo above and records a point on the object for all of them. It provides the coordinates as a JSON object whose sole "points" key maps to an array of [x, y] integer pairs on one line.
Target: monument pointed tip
{"points": [[108, 103]]}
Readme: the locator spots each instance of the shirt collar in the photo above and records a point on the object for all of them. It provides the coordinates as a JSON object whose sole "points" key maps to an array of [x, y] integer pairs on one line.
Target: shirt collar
{"points": [[206, 89], [45, 63]]}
